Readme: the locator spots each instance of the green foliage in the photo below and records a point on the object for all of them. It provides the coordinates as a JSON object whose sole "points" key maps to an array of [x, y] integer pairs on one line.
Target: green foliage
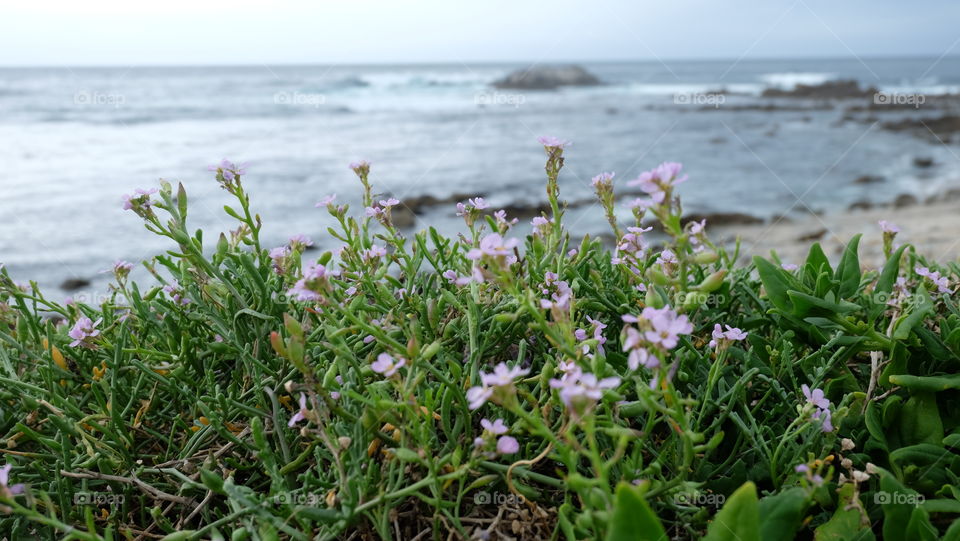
{"points": [[472, 385]]}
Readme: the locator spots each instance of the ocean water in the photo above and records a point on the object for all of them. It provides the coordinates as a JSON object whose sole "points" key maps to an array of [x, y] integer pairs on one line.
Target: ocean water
{"points": [[74, 140]]}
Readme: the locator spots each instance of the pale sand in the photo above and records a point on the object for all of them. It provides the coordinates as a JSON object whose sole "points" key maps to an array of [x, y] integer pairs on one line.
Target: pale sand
{"points": [[934, 229]]}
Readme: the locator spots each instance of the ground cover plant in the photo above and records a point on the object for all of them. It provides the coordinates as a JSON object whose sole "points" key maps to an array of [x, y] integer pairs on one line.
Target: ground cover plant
{"points": [[484, 385]]}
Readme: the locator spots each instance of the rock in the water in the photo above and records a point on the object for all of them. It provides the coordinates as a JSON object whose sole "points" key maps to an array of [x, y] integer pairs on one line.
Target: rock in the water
{"points": [[810, 237], [528, 210], [547, 78], [826, 90], [73, 284], [904, 200], [923, 161], [938, 129], [868, 179], [403, 217], [860, 205], [722, 218]]}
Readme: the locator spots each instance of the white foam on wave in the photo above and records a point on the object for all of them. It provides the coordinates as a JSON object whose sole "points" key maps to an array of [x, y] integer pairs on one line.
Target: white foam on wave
{"points": [[419, 79], [789, 80], [930, 86], [668, 89]]}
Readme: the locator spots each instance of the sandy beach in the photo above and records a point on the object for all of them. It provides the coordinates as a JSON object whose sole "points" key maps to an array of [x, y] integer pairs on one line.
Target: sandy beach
{"points": [[932, 228]]}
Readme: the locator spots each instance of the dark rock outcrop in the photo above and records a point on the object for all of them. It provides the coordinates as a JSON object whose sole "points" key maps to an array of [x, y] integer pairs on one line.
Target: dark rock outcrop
{"points": [[934, 128], [547, 78], [860, 205], [922, 162], [826, 90], [722, 218], [73, 284], [904, 200], [812, 236], [868, 179]]}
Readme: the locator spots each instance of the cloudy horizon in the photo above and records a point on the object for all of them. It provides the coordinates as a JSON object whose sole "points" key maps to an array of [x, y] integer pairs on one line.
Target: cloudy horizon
{"points": [[251, 32]]}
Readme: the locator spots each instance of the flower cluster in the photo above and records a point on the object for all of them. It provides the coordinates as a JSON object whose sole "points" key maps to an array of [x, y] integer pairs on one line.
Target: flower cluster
{"points": [[558, 293], [723, 338], [659, 182], [279, 257], [140, 202], [697, 233], [552, 144], [821, 407], [228, 174], [890, 231], [503, 224], [632, 250], [505, 445], [496, 250], [382, 211], [811, 476], [456, 279], [6, 489], [176, 293], [657, 331], [386, 365], [83, 332], [327, 202], [302, 413], [374, 253], [314, 284], [580, 391], [470, 210], [120, 269], [598, 327], [541, 226], [497, 387], [299, 243], [941, 282]]}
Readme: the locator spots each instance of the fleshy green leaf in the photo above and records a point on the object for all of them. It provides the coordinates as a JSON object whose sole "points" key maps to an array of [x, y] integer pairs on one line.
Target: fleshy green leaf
{"points": [[781, 514], [775, 283], [848, 271], [739, 519], [632, 519], [921, 309]]}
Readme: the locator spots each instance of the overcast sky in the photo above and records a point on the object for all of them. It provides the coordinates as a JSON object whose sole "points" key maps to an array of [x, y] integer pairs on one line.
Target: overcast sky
{"points": [[134, 32]]}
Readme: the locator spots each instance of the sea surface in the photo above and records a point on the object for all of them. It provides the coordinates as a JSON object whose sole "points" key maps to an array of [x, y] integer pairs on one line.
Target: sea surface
{"points": [[74, 140]]}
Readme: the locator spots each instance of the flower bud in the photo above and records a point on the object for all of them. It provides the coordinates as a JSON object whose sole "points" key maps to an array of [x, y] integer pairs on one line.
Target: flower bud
{"points": [[277, 342], [653, 298], [658, 277], [706, 256], [712, 282]]}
